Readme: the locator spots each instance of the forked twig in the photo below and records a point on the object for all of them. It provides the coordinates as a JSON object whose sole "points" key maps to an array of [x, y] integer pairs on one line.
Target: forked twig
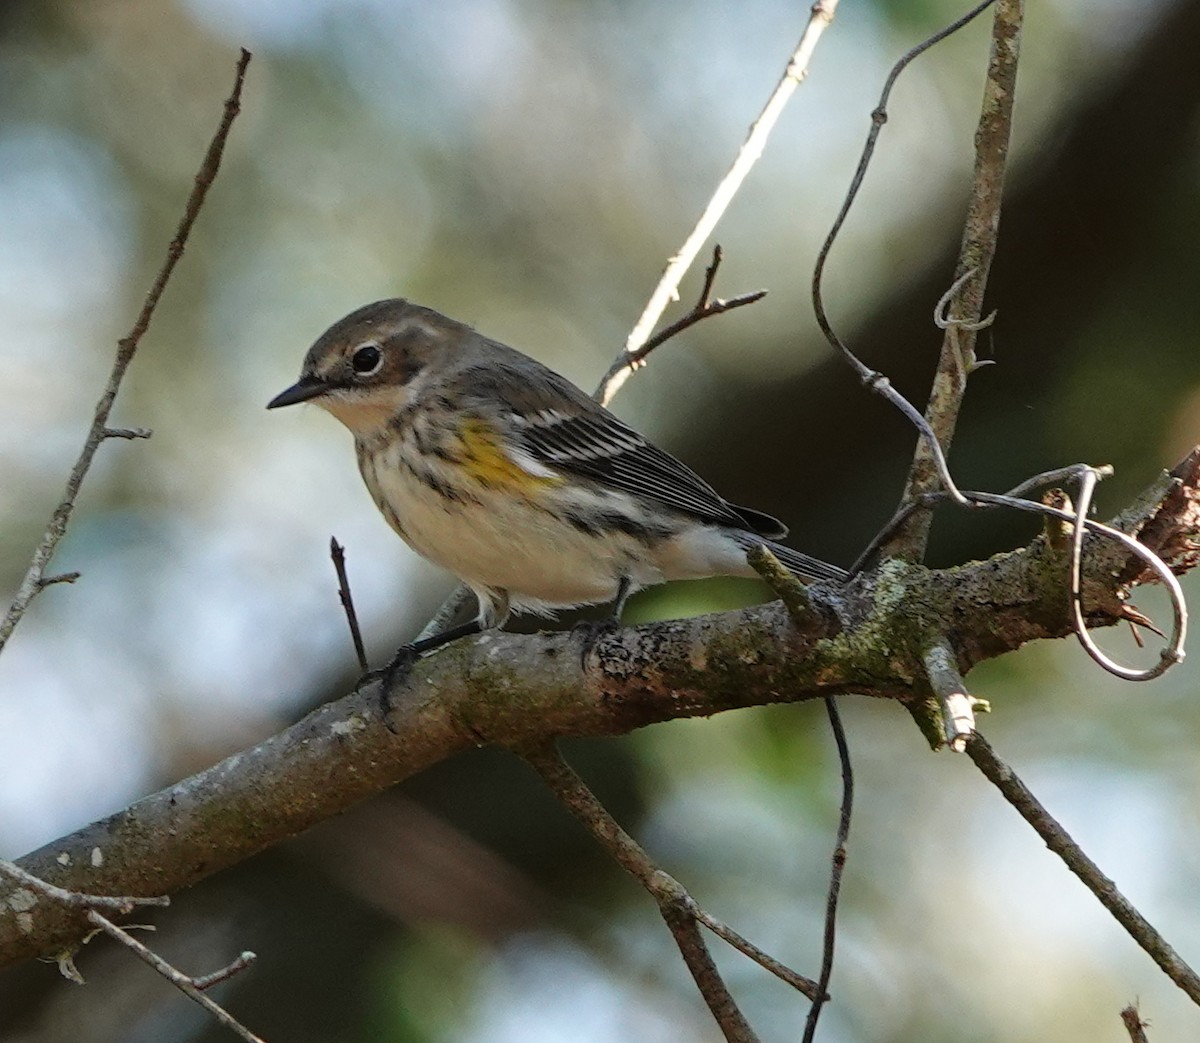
{"points": [[676, 906], [1059, 841], [181, 981], [705, 307], [34, 582], [667, 290]]}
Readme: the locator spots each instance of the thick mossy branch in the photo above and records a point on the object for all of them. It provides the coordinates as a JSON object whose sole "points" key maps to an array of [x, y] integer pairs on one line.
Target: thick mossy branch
{"points": [[868, 637]]}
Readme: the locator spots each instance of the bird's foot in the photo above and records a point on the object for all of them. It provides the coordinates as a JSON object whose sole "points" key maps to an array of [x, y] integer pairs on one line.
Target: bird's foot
{"points": [[388, 676]]}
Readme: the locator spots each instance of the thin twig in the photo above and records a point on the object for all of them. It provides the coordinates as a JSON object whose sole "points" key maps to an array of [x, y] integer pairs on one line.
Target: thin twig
{"points": [[672, 898], [181, 981], [338, 553], [837, 870], [32, 583], [667, 290], [79, 899], [1058, 841], [705, 307], [980, 231]]}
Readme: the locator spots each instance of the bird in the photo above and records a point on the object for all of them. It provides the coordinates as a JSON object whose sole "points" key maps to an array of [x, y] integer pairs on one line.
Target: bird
{"points": [[500, 470]]}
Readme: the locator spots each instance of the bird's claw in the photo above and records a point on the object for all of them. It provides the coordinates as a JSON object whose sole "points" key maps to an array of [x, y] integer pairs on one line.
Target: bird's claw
{"points": [[395, 671]]}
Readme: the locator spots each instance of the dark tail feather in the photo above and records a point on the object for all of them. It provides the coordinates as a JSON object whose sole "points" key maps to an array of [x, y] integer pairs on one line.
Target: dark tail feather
{"points": [[805, 567]]}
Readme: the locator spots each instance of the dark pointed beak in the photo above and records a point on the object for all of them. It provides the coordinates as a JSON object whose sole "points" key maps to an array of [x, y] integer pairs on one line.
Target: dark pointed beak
{"points": [[304, 389]]}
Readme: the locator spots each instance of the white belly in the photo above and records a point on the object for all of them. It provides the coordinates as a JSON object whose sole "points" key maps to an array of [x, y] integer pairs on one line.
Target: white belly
{"points": [[499, 542]]}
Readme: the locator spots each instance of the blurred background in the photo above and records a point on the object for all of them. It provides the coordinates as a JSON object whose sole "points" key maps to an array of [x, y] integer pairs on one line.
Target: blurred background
{"points": [[528, 166]]}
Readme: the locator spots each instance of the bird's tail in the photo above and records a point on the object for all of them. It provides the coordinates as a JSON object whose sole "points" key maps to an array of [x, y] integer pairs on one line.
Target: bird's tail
{"points": [[804, 566]]}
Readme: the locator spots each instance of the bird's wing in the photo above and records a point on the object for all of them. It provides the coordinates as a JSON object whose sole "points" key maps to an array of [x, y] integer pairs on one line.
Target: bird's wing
{"points": [[594, 443]]}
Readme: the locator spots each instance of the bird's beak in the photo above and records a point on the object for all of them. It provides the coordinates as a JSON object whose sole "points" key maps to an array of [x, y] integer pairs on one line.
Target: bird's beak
{"points": [[304, 389]]}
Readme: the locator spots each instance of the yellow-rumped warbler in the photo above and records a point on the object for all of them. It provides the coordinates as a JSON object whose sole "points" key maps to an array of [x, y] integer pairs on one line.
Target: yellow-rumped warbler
{"points": [[509, 476]]}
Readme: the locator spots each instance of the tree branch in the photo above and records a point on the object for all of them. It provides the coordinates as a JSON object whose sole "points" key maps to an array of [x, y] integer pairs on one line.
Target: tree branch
{"points": [[868, 637]]}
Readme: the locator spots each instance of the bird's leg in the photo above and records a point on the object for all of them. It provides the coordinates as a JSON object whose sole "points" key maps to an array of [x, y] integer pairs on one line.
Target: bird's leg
{"points": [[624, 589], [408, 654], [591, 630]]}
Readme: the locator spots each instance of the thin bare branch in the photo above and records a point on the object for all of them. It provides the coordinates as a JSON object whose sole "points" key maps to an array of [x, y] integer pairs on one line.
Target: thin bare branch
{"points": [[980, 231], [61, 577], [786, 587], [803, 612], [1059, 841], [32, 583], [667, 290], [820, 17], [678, 908], [181, 981], [79, 899]]}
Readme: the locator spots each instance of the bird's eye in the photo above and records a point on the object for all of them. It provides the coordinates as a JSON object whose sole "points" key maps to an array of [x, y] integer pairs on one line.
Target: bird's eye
{"points": [[367, 360]]}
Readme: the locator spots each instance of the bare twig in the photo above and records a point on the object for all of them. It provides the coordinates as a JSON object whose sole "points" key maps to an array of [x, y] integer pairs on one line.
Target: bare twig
{"points": [[338, 553], [61, 577], [1058, 841], [980, 231], [677, 907], [705, 307], [181, 981], [32, 583], [784, 585], [1134, 1025], [79, 899], [667, 290]]}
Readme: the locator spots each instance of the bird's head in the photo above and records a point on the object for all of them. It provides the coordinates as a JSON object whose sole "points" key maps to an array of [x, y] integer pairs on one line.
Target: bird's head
{"points": [[368, 366]]}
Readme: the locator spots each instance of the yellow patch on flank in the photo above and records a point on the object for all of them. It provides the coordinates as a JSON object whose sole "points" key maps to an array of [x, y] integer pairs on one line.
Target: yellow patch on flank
{"points": [[486, 461]]}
